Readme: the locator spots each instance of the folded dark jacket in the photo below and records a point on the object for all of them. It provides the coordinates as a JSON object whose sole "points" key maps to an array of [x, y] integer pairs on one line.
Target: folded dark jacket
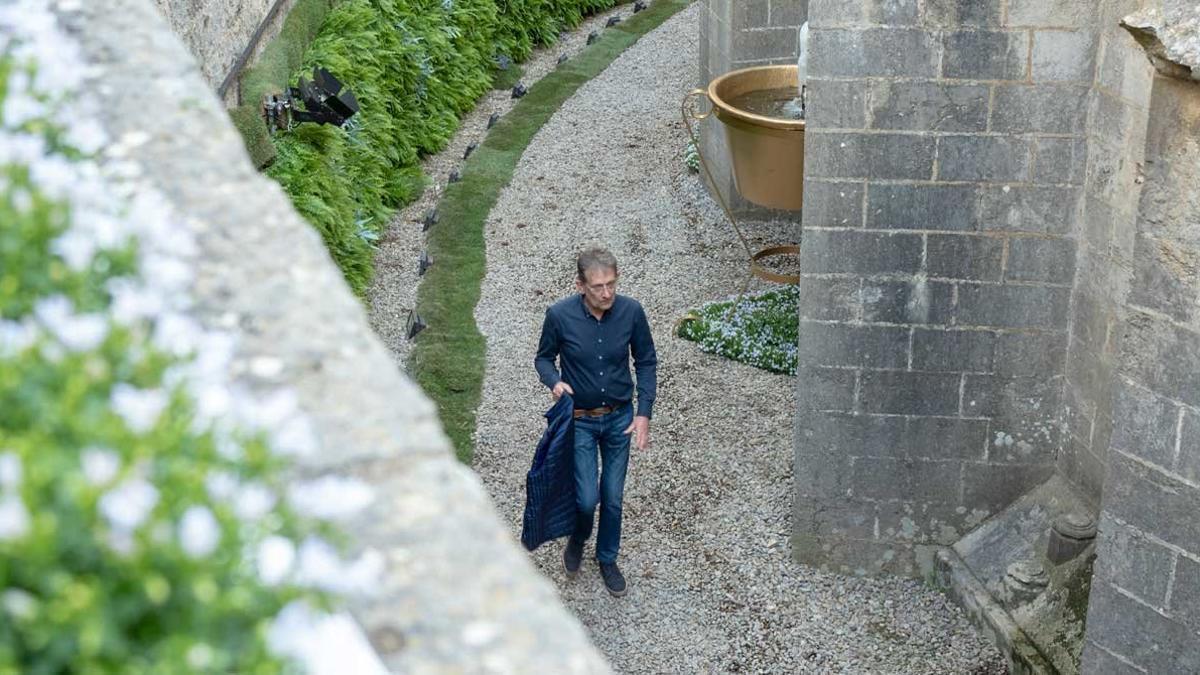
{"points": [[550, 483]]}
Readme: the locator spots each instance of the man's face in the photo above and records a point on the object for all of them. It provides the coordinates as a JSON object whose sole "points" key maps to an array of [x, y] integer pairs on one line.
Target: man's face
{"points": [[599, 288]]}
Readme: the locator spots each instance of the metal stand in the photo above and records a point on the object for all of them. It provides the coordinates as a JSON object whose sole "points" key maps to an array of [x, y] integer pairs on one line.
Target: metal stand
{"points": [[756, 269]]}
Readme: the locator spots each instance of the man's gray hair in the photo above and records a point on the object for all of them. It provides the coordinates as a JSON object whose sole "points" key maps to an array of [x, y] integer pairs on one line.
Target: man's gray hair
{"points": [[595, 258]]}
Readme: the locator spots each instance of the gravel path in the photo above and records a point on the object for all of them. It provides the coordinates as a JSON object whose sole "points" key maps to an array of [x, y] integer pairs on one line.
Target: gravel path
{"points": [[705, 546]]}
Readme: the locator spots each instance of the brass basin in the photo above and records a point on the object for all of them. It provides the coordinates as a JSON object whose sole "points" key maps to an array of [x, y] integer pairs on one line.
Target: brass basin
{"points": [[767, 152]]}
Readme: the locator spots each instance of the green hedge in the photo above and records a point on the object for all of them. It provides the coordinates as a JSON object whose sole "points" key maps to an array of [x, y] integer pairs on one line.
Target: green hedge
{"points": [[416, 66]]}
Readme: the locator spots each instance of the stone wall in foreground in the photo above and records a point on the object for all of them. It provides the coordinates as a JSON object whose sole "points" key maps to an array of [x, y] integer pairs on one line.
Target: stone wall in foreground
{"points": [[458, 594]]}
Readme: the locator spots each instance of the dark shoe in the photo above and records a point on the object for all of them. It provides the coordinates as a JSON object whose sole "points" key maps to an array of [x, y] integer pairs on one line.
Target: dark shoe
{"points": [[572, 558], [613, 579]]}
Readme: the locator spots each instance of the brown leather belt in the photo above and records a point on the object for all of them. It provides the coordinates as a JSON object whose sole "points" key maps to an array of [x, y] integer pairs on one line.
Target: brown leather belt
{"points": [[593, 412]]}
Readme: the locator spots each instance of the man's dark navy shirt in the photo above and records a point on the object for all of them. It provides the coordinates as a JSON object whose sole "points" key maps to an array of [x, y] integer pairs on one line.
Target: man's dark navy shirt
{"points": [[594, 353]]}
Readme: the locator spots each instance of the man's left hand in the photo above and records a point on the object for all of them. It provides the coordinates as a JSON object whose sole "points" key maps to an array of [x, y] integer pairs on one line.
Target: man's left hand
{"points": [[640, 428]]}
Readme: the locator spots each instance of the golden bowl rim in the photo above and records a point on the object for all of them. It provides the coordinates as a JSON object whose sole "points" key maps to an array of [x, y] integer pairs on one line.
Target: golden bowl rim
{"points": [[724, 108]]}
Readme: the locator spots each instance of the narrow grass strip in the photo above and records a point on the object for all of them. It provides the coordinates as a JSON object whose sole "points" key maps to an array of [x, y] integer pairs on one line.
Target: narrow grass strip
{"points": [[449, 357]]}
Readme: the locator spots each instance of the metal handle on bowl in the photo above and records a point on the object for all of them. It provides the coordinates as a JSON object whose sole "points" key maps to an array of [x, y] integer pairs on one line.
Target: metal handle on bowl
{"points": [[690, 114]]}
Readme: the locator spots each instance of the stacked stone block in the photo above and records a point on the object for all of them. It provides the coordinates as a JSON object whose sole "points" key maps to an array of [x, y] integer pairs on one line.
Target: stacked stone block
{"points": [[1118, 103], [944, 173], [1144, 614]]}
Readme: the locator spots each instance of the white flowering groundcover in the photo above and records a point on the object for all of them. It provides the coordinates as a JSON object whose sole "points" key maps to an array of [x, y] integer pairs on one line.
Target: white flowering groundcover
{"points": [[146, 524], [761, 331]]}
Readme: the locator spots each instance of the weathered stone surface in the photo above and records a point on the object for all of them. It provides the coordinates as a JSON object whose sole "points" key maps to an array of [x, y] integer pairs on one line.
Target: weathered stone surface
{"points": [[829, 204], [1045, 260], [217, 32], [983, 158], [856, 252], [1042, 210], [874, 52], [1120, 625], [838, 344], [1063, 13], [1063, 56], [263, 272], [1170, 32], [922, 207], [953, 350], [883, 156], [1039, 108], [986, 55], [829, 299], [836, 104], [909, 393], [1126, 557], [968, 257], [929, 106], [1059, 160], [952, 13]]}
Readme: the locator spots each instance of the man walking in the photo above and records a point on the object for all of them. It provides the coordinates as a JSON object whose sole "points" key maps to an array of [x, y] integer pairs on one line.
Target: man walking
{"points": [[593, 334]]}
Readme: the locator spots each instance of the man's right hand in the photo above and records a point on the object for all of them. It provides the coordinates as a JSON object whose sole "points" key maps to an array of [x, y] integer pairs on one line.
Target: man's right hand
{"points": [[559, 388]]}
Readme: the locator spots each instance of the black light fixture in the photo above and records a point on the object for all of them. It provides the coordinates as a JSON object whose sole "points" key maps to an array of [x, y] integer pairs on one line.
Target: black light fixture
{"points": [[424, 263], [455, 176], [613, 20], [519, 91], [470, 149], [493, 119], [592, 37], [325, 101], [639, 6], [562, 58], [414, 325], [431, 219]]}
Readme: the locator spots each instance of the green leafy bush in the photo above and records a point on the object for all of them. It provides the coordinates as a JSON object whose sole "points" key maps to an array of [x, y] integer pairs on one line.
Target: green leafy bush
{"points": [[146, 525], [762, 331], [415, 66]]}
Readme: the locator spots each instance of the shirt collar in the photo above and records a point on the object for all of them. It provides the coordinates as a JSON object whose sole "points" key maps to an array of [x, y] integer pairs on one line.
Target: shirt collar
{"points": [[588, 313]]}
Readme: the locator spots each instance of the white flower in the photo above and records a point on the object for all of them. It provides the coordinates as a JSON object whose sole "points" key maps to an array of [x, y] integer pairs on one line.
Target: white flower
{"points": [[140, 408], [253, 501], [228, 447], [16, 336], [177, 333], [330, 496], [129, 504], [199, 656], [10, 470], [199, 532], [275, 558], [18, 603], [77, 247], [323, 644], [100, 465], [221, 485], [78, 332], [86, 135], [319, 564], [132, 301], [14, 517]]}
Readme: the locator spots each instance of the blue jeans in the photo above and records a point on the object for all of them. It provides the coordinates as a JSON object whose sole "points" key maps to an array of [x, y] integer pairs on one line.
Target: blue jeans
{"points": [[603, 433]]}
